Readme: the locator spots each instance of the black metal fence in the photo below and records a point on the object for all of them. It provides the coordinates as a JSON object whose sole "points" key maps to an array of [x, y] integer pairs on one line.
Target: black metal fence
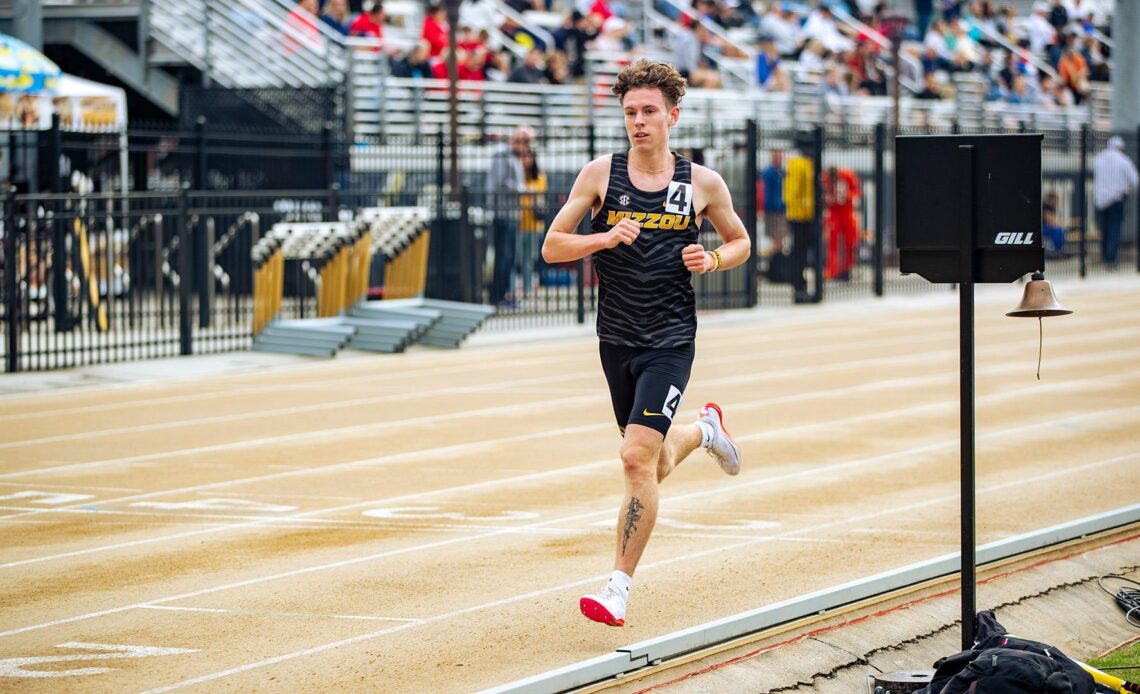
{"points": [[147, 254]]}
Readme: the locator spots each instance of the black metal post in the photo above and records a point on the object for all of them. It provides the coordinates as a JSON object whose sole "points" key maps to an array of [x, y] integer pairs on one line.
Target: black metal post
{"points": [[966, 380], [333, 201], [59, 289], [751, 272], [205, 271], [201, 160], [817, 213], [11, 285], [328, 167], [591, 144], [880, 204], [1082, 200], [185, 249]]}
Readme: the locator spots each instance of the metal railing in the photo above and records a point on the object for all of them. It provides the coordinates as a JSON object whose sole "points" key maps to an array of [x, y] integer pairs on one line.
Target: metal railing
{"points": [[249, 43]]}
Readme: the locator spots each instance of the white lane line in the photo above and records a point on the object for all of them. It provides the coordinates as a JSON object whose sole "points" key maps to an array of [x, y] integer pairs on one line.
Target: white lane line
{"points": [[258, 613], [71, 486], [735, 489], [735, 380], [357, 403], [573, 584], [365, 377], [787, 431], [710, 337]]}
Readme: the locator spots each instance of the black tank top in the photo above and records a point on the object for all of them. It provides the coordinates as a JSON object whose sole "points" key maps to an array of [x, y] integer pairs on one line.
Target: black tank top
{"points": [[645, 293]]}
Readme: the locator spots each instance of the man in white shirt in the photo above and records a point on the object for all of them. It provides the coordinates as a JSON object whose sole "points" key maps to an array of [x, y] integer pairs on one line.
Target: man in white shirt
{"points": [[780, 24], [821, 26], [1041, 32], [1114, 178]]}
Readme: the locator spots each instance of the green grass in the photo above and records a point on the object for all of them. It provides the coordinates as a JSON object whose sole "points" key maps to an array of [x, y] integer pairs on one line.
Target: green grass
{"points": [[1129, 655]]}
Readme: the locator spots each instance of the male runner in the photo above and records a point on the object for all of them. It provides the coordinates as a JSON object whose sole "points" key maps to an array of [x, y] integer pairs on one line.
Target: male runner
{"points": [[647, 204]]}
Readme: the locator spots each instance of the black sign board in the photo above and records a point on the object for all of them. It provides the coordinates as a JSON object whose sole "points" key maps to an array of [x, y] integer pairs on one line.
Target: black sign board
{"points": [[991, 198]]}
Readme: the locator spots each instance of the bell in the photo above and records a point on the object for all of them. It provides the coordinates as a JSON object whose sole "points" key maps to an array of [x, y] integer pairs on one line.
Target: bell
{"points": [[1039, 301]]}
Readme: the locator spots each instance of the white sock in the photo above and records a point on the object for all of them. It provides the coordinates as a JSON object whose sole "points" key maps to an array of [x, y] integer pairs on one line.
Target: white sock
{"points": [[621, 580], [706, 432]]}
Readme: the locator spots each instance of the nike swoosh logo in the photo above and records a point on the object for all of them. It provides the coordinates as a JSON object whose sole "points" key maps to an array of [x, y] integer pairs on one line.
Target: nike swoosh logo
{"points": [[647, 413]]}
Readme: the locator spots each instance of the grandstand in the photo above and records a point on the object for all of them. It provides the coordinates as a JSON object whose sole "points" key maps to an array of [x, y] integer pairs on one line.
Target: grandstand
{"points": [[291, 121], [261, 46]]}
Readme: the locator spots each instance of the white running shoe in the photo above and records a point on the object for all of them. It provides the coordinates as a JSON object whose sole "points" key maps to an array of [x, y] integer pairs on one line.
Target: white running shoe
{"points": [[722, 447], [607, 607]]}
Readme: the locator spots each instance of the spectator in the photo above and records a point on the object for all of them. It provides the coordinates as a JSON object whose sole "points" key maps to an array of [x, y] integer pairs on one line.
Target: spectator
{"points": [[439, 68], [532, 70], [1041, 33], [557, 69], [952, 10], [478, 14], [821, 26], [612, 38], [1007, 24], [572, 37], [923, 12], [1044, 94], [472, 65], [532, 219], [498, 66], [767, 60], [781, 25], [812, 56], [864, 65], [370, 23], [303, 31], [936, 45], [337, 16], [772, 187], [468, 40], [833, 84], [1019, 92], [1097, 62], [1058, 16], [435, 29], [686, 52], [966, 51], [416, 63], [1074, 73], [799, 197], [1114, 179], [505, 181], [1052, 232], [931, 90], [986, 22]]}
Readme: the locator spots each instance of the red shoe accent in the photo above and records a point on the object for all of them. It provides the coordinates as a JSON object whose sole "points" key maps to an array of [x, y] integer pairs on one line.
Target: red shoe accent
{"points": [[719, 414], [597, 612]]}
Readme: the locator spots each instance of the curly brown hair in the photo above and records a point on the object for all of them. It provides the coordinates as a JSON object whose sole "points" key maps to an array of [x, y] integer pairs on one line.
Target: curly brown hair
{"points": [[651, 74]]}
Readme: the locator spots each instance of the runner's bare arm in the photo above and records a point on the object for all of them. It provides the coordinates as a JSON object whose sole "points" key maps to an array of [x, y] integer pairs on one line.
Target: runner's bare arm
{"points": [[562, 244], [737, 247]]}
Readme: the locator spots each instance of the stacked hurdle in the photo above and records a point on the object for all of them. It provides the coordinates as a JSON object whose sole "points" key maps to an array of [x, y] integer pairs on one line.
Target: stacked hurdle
{"points": [[400, 239], [324, 252], [337, 259], [268, 282]]}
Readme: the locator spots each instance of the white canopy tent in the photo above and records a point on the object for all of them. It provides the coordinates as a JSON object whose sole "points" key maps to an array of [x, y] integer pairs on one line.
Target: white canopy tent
{"points": [[83, 106]]}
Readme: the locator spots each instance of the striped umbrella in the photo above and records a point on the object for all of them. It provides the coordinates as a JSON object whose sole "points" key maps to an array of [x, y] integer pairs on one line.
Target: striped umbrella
{"points": [[24, 69]]}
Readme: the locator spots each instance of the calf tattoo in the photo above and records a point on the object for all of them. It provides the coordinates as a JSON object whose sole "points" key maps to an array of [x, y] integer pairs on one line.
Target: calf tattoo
{"points": [[632, 515]]}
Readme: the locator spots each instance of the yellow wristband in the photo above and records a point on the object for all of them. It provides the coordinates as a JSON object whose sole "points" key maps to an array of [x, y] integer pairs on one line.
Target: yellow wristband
{"points": [[719, 260], [715, 259]]}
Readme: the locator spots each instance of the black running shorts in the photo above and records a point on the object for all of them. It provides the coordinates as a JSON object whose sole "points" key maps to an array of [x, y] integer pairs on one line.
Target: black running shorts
{"points": [[646, 385]]}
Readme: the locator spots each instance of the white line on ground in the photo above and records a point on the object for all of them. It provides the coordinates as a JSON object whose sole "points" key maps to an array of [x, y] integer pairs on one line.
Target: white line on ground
{"points": [[257, 613], [355, 403], [788, 431], [734, 489], [567, 586]]}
